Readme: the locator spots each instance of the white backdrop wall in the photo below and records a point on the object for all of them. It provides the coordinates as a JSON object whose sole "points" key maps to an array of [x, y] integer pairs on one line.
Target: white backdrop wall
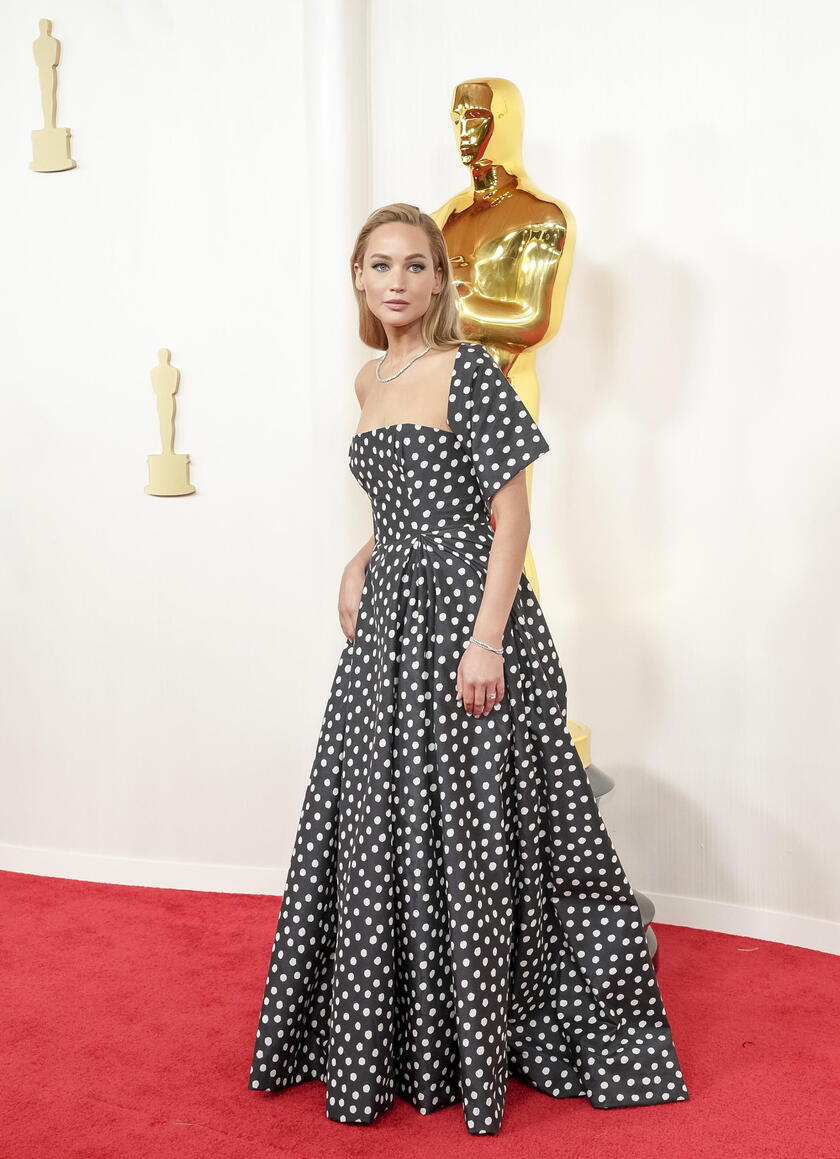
{"points": [[166, 662]]}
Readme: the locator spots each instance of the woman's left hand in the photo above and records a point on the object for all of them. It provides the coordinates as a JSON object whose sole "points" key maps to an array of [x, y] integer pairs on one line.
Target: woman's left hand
{"points": [[480, 682]]}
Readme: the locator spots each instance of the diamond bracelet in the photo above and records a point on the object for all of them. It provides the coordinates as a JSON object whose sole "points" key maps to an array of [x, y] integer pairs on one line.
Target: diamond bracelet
{"points": [[489, 647]]}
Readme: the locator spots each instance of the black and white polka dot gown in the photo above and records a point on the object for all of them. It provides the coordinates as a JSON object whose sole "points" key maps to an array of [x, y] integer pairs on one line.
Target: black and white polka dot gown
{"points": [[454, 910]]}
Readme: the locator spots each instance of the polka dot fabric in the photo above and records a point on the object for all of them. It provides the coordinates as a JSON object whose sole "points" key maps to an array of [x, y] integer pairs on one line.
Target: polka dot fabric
{"points": [[454, 910], [494, 423]]}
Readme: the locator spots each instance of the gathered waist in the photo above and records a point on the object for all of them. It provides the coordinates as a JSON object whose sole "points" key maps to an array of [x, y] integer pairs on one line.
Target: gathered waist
{"points": [[446, 533]]}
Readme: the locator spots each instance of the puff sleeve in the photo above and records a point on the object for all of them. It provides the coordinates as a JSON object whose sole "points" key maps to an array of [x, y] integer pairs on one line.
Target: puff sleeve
{"points": [[503, 438]]}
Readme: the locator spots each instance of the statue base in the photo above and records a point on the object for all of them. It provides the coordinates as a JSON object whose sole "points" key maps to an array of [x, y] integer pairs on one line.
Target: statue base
{"points": [[169, 475], [581, 735], [51, 151]]}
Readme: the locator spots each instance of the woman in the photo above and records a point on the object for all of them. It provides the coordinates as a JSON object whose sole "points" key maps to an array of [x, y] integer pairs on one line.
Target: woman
{"points": [[454, 910]]}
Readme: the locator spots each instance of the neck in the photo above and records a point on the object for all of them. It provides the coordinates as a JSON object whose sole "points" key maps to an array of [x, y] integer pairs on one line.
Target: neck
{"points": [[402, 343], [491, 181]]}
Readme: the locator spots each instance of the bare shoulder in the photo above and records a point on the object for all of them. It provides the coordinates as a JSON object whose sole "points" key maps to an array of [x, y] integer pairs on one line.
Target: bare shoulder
{"points": [[445, 355], [364, 379]]}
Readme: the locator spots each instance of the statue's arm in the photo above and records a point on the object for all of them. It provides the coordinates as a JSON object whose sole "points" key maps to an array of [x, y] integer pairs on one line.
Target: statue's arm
{"points": [[521, 297]]}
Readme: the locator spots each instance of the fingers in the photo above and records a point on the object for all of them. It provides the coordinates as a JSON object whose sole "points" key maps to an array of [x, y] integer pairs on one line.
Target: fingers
{"points": [[495, 692], [480, 699], [348, 627]]}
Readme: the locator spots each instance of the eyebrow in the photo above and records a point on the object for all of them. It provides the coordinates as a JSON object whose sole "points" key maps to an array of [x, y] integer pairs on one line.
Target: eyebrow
{"points": [[388, 256]]}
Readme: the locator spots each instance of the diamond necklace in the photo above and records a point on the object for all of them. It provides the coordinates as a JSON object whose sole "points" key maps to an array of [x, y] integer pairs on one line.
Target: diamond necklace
{"points": [[399, 372]]}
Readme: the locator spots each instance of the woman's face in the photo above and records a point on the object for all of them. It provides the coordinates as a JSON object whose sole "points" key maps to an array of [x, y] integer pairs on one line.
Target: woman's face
{"points": [[397, 274]]}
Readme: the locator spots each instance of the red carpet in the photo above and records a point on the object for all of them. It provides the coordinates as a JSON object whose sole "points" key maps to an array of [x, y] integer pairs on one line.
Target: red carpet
{"points": [[129, 1016]]}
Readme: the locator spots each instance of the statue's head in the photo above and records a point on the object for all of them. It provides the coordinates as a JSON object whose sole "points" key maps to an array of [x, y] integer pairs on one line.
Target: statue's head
{"points": [[487, 115]]}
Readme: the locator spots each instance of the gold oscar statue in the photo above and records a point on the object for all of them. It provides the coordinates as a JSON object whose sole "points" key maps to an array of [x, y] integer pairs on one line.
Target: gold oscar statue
{"points": [[50, 146], [169, 474], [510, 246]]}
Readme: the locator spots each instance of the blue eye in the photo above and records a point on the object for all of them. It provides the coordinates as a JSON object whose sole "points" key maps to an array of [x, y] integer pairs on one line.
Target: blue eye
{"points": [[418, 265]]}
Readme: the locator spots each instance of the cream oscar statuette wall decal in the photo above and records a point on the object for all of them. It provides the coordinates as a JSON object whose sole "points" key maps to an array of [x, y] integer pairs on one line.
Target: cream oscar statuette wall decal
{"points": [[50, 146], [169, 474]]}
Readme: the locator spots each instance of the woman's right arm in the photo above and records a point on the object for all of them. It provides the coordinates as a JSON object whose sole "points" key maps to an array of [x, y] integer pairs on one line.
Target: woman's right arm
{"points": [[350, 591], [353, 576], [362, 556]]}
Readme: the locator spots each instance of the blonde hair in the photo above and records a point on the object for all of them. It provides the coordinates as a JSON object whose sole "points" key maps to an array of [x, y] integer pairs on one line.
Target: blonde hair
{"points": [[441, 325]]}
